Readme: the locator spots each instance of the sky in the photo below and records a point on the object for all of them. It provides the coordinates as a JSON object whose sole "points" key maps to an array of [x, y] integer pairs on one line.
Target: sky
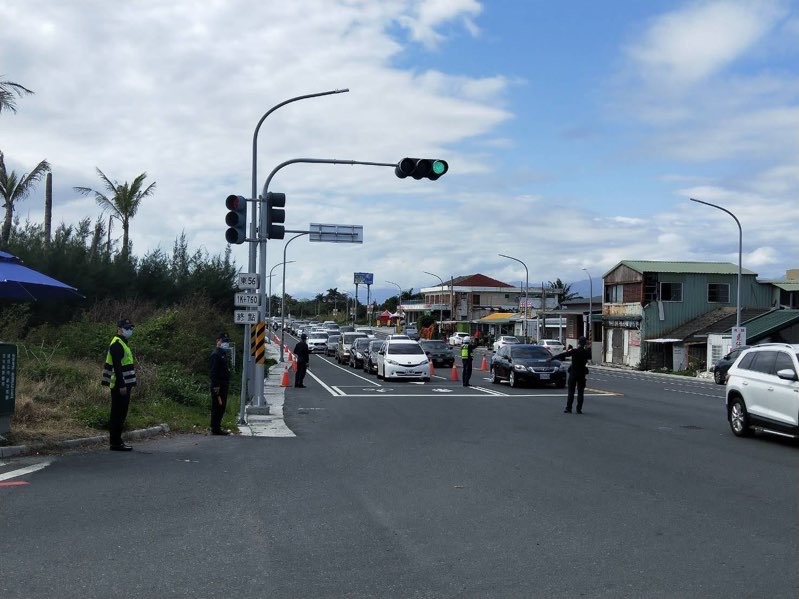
{"points": [[575, 132]]}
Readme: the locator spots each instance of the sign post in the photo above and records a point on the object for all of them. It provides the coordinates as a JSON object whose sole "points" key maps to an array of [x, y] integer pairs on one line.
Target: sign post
{"points": [[738, 336]]}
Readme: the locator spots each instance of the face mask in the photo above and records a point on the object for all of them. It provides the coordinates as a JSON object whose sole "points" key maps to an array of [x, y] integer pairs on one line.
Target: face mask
{"points": [[126, 333], [225, 345]]}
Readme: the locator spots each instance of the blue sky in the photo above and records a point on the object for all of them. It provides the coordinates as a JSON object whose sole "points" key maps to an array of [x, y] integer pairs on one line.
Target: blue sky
{"points": [[575, 131]]}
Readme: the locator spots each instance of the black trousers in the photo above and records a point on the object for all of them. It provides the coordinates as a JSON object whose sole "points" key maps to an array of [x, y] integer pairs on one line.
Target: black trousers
{"points": [[578, 382], [467, 370], [217, 410], [119, 412], [299, 378]]}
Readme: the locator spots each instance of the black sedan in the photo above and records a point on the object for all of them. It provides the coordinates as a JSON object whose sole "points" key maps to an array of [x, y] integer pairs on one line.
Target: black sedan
{"points": [[721, 367], [438, 352], [524, 363]]}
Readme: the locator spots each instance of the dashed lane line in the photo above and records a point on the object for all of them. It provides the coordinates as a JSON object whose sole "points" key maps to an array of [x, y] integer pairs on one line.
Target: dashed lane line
{"points": [[23, 471]]}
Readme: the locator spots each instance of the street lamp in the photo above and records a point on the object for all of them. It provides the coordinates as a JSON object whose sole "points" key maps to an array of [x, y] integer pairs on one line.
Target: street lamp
{"points": [[526, 286], [441, 314], [399, 299], [590, 304], [740, 252], [283, 297], [269, 298]]}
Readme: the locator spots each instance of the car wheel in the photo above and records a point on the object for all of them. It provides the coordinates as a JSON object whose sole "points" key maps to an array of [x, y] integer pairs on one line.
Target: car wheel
{"points": [[494, 377], [718, 377], [739, 419], [426, 379], [514, 382]]}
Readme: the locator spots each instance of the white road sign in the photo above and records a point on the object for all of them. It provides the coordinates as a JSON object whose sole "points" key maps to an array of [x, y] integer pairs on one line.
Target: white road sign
{"points": [[248, 280], [245, 317], [246, 300]]}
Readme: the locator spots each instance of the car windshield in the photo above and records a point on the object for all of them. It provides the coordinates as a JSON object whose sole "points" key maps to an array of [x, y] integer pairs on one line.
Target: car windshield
{"points": [[407, 349], [530, 353], [333, 338], [510, 340], [434, 345], [317, 336], [361, 343], [351, 337]]}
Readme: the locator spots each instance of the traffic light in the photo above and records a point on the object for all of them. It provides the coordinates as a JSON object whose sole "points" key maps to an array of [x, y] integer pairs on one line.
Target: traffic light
{"points": [[275, 214], [421, 168], [236, 219]]}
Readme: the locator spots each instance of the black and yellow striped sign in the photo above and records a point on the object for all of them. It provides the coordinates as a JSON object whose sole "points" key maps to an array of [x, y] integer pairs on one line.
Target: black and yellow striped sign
{"points": [[258, 342]]}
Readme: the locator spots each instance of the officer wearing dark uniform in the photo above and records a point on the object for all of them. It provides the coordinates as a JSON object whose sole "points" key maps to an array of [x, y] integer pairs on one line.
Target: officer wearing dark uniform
{"points": [[467, 350], [119, 375], [302, 354], [578, 370], [219, 370]]}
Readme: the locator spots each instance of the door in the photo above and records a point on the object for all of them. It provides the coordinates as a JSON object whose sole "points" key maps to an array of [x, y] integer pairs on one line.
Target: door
{"points": [[617, 346], [782, 399]]}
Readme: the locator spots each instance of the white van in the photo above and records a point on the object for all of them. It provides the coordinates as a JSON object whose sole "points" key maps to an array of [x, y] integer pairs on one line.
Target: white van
{"points": [[403, 359]]}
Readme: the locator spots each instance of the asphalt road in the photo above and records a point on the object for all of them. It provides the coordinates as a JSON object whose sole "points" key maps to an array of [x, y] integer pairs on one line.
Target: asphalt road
{"points": [[423, 490]]}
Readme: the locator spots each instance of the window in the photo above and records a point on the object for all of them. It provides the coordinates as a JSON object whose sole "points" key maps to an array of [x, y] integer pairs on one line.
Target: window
{"points": [[671, 292], [746, 361], [475, 299], [718, 293], [764, 362], [614, 294], [784, 362]]}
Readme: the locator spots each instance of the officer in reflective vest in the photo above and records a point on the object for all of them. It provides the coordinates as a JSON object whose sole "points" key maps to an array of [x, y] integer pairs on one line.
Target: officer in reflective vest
{"points": [[119, 374], [467, 347]]}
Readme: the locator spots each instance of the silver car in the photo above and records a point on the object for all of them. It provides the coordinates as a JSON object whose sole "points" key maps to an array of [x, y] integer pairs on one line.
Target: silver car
{"points": [[370, 363]]}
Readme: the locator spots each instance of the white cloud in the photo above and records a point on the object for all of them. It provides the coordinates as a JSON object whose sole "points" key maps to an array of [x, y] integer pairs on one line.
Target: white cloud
{"points": [[429, 15]]}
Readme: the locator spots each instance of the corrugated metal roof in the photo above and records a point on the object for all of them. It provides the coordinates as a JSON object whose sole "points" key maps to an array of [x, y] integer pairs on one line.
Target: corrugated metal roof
{"points": [[770, 322], [497, 318], [715, 268], [784, 286]]}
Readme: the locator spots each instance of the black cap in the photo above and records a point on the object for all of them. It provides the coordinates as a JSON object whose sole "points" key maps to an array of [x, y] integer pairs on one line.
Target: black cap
{"points": [[124, 323], [223, 337], [582, 341], [303, 336]]}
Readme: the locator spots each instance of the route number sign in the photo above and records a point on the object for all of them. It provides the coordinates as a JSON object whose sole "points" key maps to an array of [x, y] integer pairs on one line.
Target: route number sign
{"points": [[247, 280]]}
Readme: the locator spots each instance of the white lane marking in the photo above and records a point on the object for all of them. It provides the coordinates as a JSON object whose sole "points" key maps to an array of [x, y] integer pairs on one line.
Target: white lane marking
{"points": [[24, 471], [693, 393], [348, 370], [489, 391], [330, 390]]}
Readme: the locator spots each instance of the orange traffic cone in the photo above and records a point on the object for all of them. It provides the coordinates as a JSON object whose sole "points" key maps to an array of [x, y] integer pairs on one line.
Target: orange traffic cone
{"points": [[293, 362], [432, 369], [453, 376], [484, 364], [284, 381]]}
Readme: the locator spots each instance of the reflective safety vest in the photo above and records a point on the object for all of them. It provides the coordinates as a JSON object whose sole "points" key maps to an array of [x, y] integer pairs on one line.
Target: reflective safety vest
{"points": [[465, 351], [128, 368]]}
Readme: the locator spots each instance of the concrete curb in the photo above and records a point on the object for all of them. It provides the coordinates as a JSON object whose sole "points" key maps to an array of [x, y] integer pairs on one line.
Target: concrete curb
{"points": [[660, 374], [20, 450]]}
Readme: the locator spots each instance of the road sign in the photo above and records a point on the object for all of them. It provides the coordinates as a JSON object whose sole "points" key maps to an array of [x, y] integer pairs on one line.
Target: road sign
{"points": [[245, 316], [247, 280], [336, 233], [363, 278], [247, 300]]}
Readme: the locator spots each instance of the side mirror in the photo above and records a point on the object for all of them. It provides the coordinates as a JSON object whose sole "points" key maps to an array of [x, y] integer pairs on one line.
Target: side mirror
{"points": [[382, 352], [787, 374]]}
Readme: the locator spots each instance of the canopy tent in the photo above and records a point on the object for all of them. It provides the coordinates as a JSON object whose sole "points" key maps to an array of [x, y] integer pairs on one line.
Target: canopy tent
{"points": [[18, 282]]}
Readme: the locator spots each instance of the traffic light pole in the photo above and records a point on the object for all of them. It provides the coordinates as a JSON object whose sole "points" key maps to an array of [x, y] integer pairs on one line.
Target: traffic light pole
{"points": [[247, 362]]}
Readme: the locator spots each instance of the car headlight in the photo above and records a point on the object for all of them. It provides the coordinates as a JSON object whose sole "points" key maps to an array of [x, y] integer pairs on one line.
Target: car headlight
{"points": [[520, 367], [563, 367], [392, 362]]}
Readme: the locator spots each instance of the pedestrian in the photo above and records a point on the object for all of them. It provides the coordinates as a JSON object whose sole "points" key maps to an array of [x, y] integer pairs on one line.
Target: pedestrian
{"points": [[119, 375], [467, 350], [578, 370], [301, 355], [219, 370]]}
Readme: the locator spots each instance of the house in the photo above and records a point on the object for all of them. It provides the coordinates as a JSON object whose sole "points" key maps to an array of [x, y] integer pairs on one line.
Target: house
{"points": [[645, 300]]}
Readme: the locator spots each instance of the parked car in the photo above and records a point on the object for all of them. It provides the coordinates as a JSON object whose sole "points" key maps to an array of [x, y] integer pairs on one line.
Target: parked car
{"points": [[504, 340], [358, 351], [369, 332], [347, 328], [762, 392], [521, 363], [317, 342], [459, 338], [402, 358], [332, 344], [438, 352], [370, 363], [412, 332], [721, 367], [553, 345], [344, 346]]}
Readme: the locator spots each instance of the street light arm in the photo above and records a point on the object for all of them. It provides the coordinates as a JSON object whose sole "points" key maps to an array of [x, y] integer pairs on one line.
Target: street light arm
{"points": [[283, 296], [526, 287]]}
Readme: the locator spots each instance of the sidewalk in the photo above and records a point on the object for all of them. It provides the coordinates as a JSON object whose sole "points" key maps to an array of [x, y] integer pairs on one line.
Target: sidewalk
{"points": [[267, 421]]}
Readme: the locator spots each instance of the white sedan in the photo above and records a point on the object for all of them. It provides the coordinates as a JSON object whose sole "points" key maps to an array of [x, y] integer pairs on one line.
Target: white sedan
{"points": [[504, 340], [459, 339]]}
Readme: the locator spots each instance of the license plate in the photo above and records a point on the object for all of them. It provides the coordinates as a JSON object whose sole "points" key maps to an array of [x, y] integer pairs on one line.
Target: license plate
{"points": [[544, 377]]}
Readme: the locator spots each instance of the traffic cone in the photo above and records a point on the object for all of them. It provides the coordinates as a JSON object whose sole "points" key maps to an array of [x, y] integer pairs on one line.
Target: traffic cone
{"points": [[484, 364], [284, 381], [453, 376], [432, 369], [293, 362]]}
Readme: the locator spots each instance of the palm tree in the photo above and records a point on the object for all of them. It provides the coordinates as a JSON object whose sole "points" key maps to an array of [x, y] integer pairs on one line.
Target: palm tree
{"points": [[562, 291], [9, 89], [14, 187], [122, 201]]}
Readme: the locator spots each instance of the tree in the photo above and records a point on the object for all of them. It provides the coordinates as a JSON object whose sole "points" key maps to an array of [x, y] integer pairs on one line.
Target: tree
{"points": [[13, 188], [562, 291], [123, 201], [9, 89]]}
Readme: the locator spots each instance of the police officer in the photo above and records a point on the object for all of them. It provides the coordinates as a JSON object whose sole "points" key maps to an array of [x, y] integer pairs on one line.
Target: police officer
{"points": [[219, 370], [119, 375], [467, 349], [302, 355], [578, 370]]}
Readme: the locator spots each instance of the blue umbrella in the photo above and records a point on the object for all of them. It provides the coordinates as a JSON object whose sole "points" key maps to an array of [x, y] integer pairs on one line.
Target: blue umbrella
{"points": [[19, 282]]}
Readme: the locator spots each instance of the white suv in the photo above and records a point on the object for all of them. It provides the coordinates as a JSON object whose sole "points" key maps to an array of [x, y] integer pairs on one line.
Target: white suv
{"points": [[763, 391], [402, 358]]}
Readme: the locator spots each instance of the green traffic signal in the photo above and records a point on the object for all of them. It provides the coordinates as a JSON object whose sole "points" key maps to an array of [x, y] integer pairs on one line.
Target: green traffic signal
{"points": [[421, 168]]}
